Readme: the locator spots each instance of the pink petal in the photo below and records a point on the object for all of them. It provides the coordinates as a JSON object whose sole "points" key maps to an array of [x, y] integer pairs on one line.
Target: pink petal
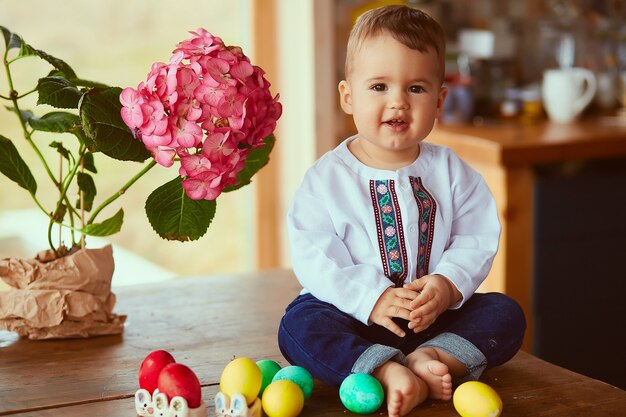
{"points": [[164, 156]]}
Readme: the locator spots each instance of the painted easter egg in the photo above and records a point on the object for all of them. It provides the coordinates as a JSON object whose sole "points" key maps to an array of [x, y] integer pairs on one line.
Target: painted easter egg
{"points": [[476, 399], [361, 393], [299, 375], [151, 368], [268, 369], [241, 375], [282, 398]]}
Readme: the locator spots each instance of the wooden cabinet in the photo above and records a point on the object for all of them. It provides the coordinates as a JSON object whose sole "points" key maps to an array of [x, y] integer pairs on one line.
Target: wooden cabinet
{"points": [[508, 156]]}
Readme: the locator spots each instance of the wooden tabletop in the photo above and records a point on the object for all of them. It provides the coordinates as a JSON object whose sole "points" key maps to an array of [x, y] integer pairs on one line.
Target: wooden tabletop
{"points": [[205, 322], [529, 144]]}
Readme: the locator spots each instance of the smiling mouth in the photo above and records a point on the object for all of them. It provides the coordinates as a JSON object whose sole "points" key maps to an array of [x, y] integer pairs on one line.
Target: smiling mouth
{"points": [[395, 122]]}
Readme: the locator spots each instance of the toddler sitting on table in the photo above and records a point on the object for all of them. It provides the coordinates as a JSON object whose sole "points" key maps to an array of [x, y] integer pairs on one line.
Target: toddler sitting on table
{"points": [[391, 235]]}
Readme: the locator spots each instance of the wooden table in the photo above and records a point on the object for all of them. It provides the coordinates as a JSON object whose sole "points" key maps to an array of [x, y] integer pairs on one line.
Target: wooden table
{"points": [[507, 155], [205, 322]]}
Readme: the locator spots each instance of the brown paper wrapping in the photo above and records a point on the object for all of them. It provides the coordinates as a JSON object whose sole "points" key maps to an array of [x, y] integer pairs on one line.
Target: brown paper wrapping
{"points": [[61, 298]]}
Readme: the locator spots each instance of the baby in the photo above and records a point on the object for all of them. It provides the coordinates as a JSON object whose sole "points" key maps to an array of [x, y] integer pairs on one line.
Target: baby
{"points": [[391, 236]]}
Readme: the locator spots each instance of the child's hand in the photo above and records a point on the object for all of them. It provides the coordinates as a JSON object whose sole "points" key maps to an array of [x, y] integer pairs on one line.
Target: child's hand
{"points": [[436, 295], [394, 302]]}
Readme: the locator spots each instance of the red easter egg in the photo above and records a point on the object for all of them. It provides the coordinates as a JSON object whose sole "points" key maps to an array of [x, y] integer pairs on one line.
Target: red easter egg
{"points": [[151, 368], [177, 379]]}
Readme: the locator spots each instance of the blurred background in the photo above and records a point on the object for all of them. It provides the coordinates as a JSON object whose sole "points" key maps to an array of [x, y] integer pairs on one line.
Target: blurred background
{"points": [[497, 53]]}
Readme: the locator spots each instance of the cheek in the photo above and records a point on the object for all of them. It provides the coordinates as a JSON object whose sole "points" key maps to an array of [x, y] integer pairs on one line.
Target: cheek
{"points": [[365, 113]]}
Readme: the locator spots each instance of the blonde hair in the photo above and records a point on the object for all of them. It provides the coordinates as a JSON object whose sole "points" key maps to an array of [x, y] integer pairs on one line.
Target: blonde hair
{"points": [[409, 26]]}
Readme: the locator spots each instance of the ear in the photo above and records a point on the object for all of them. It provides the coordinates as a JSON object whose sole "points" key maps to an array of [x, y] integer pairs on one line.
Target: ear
{"points": [[161, 405], [143, 401], [221, 403], [345, 96], [238, 404], [443, 93], [179, 407]]}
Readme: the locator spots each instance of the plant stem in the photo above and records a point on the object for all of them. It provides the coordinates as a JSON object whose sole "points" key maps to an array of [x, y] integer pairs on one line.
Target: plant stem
{"points": [[13, 96], [16, 110], [82, 207], [121, 191], [27, 93], [64, 187]]}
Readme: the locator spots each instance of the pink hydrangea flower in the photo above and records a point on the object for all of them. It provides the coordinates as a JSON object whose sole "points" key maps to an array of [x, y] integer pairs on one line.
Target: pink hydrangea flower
{"points": [[207, 108], [131, 108]]}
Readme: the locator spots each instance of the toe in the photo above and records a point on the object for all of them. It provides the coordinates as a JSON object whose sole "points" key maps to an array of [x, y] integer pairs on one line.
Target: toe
{"points": [[437, 368]]}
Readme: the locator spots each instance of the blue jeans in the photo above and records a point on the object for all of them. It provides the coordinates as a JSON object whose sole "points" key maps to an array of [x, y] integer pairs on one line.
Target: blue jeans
{"points": [[485, 332]]}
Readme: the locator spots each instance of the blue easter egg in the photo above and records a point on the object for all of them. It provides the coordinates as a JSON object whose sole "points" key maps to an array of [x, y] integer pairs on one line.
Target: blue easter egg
{"points": [[361, 393], [299, 375]]}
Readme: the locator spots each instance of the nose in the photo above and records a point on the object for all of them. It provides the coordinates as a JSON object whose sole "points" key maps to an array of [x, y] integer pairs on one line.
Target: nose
{"points": [[398, 101]]}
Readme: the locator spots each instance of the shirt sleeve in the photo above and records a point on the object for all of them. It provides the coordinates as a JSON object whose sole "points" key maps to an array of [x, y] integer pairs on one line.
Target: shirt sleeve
{"points": [[474, 236], [323, 264]]}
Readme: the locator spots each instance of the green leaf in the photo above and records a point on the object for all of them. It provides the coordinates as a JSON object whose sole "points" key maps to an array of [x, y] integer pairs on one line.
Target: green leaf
{"points": [[257, 159], [87, 83], [25, 114], [13, 166], [26, 50], [78, 131], [61, 149], [56, 121], [89, 163], [174, 216], [87, 185], [58, 92], [11, 40], [56, 63], [108, 227], [103, 125]]}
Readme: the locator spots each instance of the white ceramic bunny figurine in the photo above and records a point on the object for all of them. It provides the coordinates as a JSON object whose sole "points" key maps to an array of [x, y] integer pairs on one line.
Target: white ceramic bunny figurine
{"points": [[237, 406], [143, 403], [161, 405], [158, 405]]}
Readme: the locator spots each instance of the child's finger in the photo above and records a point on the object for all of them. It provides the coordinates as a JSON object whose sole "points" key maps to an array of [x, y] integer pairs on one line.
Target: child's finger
{"points": [[393, 327], [424, 310], [422, 298], [414, 323], [398, 311], [406, 293]]}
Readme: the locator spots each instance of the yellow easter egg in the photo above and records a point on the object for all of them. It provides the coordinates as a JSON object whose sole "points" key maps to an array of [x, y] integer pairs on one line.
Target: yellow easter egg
{"points": [[476, 399], [241, 375], [282, 398]]}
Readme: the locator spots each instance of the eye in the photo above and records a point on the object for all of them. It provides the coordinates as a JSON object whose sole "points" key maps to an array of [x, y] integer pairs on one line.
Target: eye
{"points": [[416, 89], [379, 87]]}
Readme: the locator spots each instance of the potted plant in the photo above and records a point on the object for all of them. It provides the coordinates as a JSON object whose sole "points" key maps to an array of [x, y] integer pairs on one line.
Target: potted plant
{"points": [[208, 113]]}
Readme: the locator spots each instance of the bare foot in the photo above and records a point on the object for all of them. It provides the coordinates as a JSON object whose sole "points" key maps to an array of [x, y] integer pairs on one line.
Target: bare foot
{"points": [[404, 390], [426, 364]]}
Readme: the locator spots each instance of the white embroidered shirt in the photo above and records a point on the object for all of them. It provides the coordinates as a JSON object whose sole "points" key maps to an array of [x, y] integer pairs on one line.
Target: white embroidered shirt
{"points": [[355, 230]]}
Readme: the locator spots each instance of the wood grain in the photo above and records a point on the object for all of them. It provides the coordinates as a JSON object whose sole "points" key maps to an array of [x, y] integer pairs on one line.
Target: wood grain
{"points": [[518, 144], [205, 322]]}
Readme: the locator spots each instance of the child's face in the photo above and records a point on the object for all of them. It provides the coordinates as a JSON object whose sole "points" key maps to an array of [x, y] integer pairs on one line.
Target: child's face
{"points": [[394, 94]]}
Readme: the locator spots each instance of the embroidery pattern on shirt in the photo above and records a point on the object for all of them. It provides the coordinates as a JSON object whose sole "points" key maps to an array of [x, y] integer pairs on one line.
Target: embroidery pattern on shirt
{"points": [[427, 209], [389, 228]]}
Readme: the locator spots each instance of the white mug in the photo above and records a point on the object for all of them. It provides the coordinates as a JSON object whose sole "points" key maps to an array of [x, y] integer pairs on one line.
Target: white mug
{"points": [[566, 92]]}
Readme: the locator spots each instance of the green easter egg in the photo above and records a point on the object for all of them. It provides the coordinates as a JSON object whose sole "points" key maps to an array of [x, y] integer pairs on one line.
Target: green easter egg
{"points": [[268, 369], [299, 375], [361, 393]]}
